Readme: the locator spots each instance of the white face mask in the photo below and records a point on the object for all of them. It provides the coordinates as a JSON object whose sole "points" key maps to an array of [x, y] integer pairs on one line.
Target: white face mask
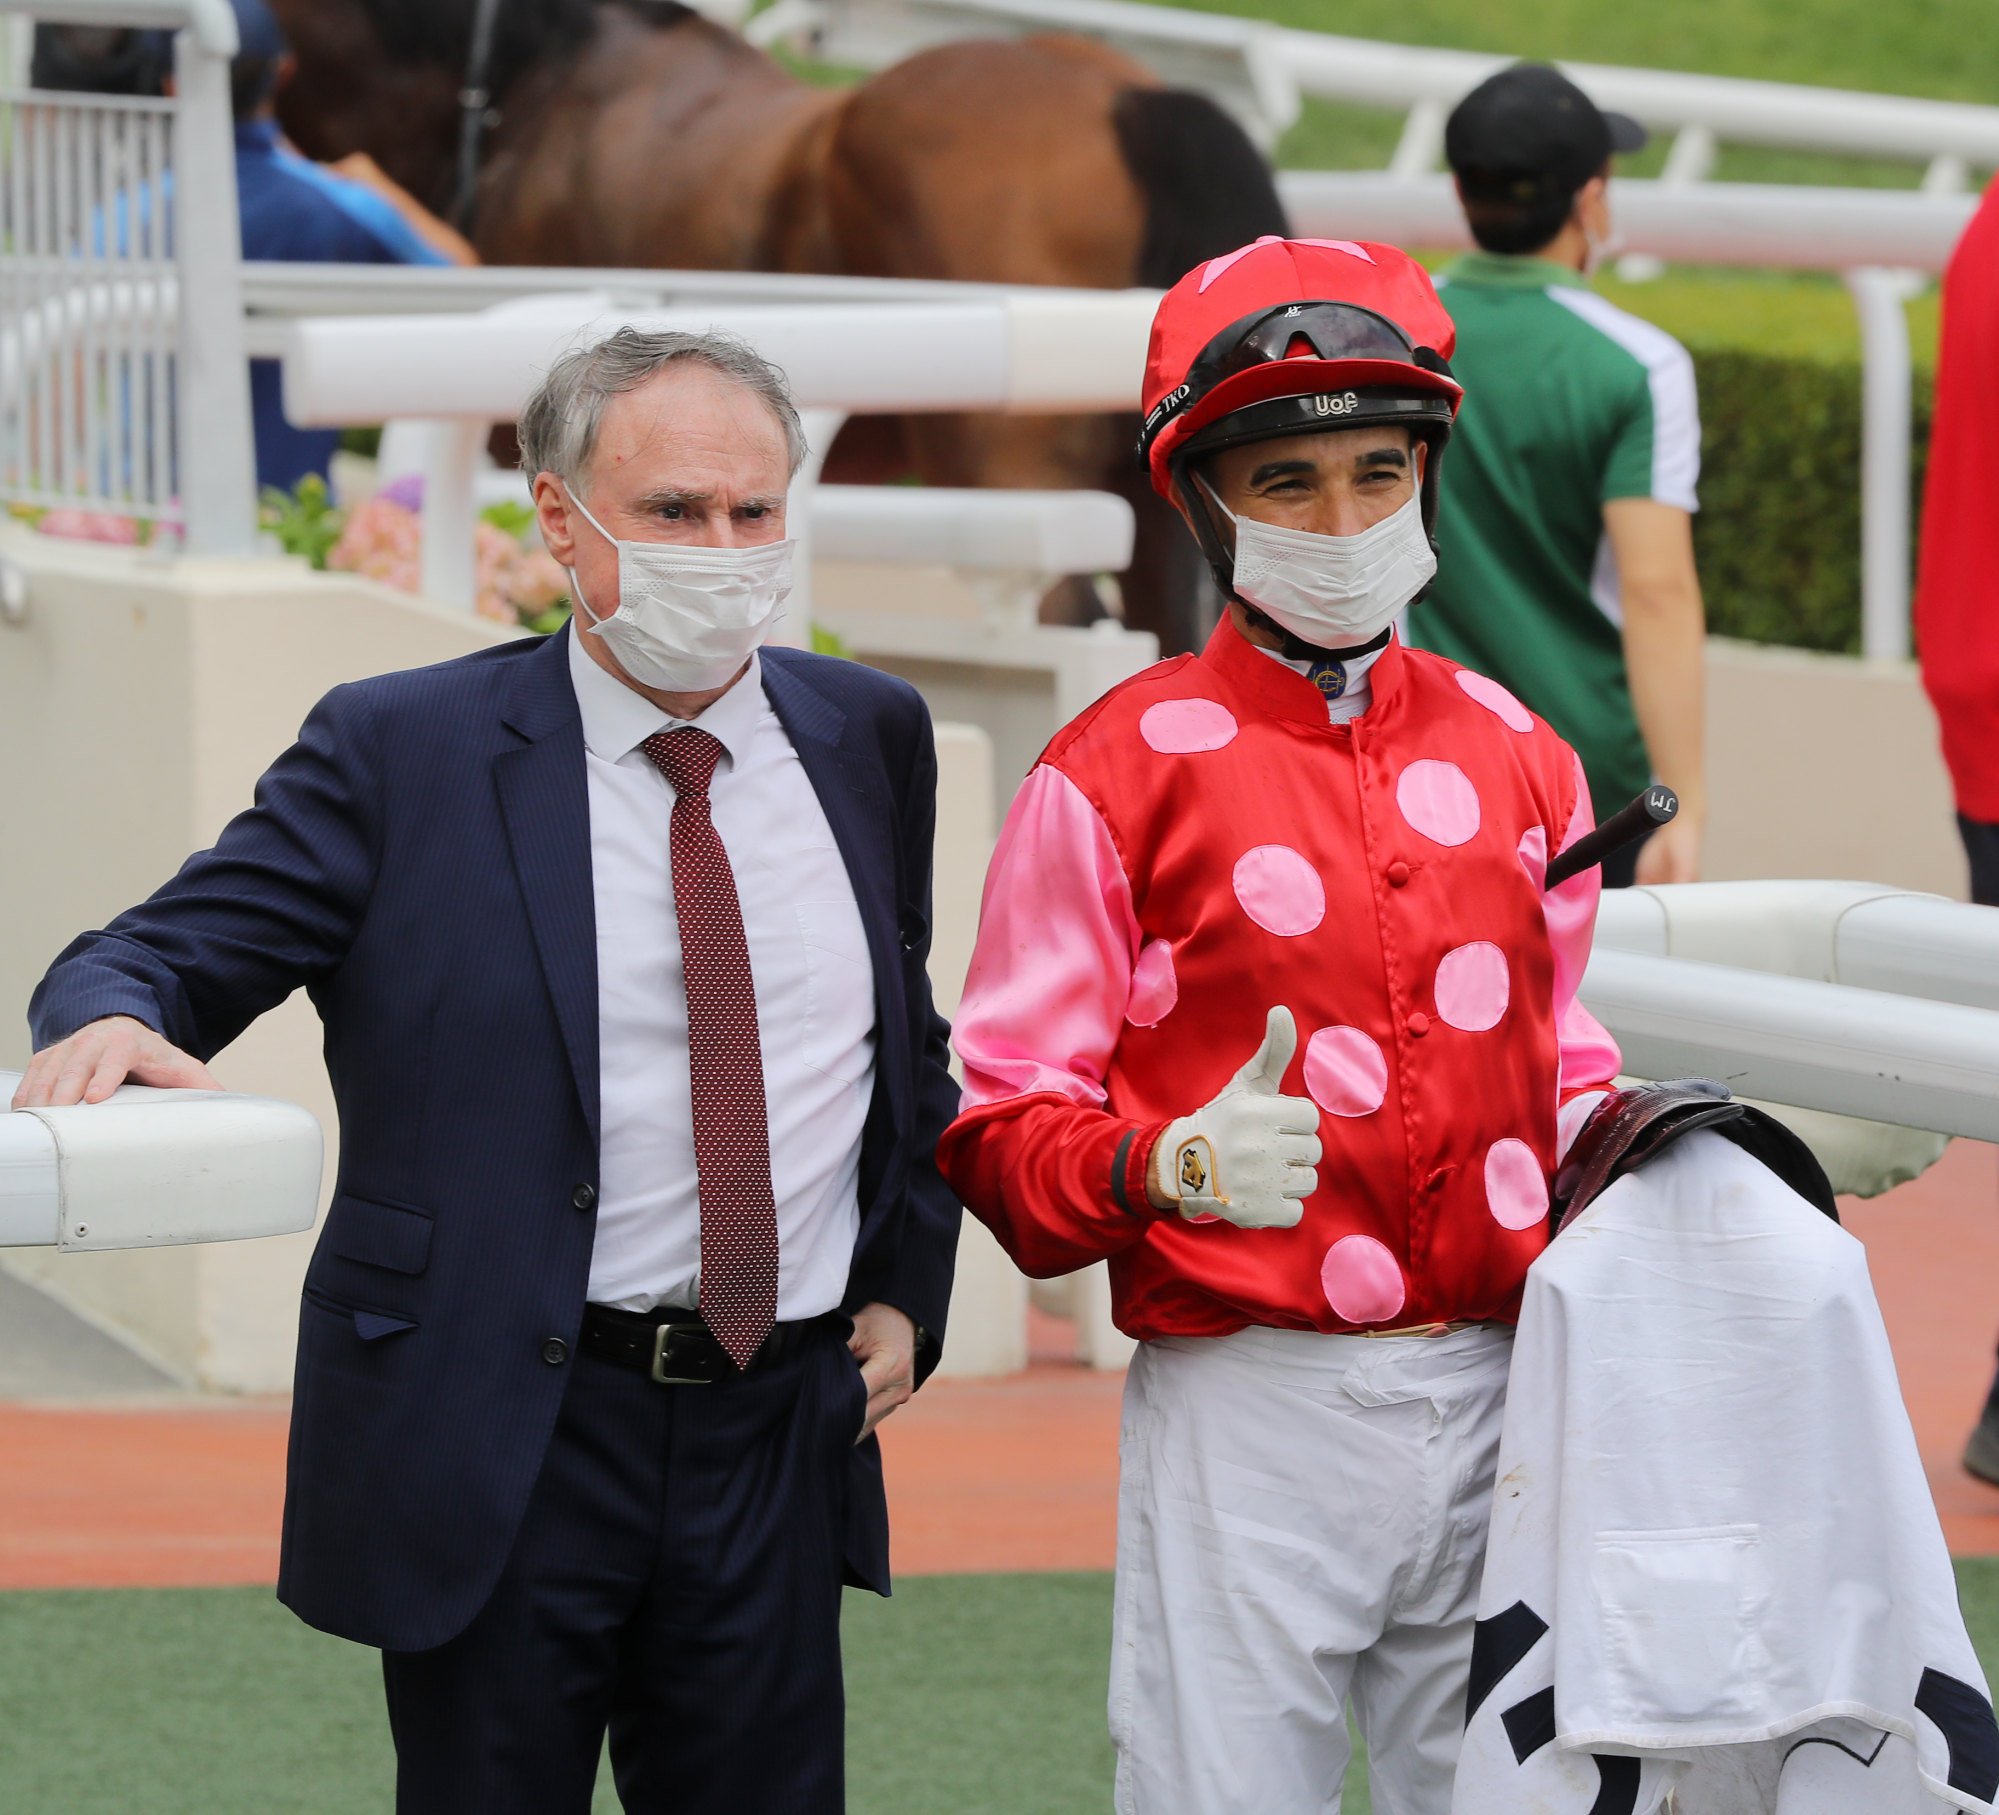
{"points": [[1335, 592], [688, 618], [1597, 252]]}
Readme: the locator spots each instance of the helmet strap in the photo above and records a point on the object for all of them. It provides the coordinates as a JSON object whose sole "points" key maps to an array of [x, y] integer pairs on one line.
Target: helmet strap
{"points": [[1296, 649]]}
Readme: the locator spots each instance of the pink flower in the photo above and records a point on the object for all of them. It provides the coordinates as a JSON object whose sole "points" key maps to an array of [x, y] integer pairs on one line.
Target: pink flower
{"points": [[89, 526], [382, 541]]}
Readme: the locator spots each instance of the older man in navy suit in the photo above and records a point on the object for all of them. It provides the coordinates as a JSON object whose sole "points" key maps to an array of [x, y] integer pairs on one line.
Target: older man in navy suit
{"points": [[619, 942]]}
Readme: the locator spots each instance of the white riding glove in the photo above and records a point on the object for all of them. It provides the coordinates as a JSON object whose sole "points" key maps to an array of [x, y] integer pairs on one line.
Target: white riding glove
{"points": [[1249, 1156]]}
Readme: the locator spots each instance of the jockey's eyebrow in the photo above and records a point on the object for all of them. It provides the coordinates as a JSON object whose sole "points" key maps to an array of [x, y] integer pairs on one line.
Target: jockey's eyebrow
{"points": [[1288, 469]]}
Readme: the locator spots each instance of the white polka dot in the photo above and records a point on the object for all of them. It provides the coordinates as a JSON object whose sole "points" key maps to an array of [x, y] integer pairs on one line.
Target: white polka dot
{"points": [[1181, 727], [1534, 855], [1361, 1280], [1516, 1189], [1155, 987], [1438, 800], [1473, 987], [1496, 700], [1345, 1071], [1279, 890]]}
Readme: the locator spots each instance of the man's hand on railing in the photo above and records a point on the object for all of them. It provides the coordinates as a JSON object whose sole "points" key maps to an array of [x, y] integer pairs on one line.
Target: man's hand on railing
{"points": [[98, 1057]]}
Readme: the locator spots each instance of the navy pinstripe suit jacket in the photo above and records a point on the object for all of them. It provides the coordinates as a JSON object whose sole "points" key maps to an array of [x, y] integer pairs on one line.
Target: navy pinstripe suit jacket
{"points": [[420, 862]]}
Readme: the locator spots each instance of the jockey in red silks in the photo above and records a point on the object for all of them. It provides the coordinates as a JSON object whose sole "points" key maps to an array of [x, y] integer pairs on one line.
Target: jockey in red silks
{"points": [[1271, 1009]]}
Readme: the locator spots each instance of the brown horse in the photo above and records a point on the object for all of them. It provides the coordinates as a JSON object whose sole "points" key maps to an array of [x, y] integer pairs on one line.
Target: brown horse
{"points": [[639, 133]]}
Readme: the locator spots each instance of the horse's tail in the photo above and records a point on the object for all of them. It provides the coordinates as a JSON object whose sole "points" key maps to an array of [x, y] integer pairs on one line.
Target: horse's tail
{"points": [[1207, 189]]}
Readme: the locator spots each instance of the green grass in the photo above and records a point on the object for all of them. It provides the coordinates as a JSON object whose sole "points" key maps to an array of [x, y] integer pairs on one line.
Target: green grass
{"points": [[1947, 49], [1824, 43], [981, 1695], [1857, 44]]}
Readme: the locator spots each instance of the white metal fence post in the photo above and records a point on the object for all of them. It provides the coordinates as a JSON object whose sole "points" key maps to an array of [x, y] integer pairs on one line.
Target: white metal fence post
{"points": [[1421, 145], [1886, 448], [449, 455], [218, 477], [1690, 160], [821, 427]]}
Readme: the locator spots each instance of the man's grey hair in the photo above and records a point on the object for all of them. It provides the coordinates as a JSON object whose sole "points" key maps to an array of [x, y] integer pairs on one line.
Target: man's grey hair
{"points": [[558, 429]]}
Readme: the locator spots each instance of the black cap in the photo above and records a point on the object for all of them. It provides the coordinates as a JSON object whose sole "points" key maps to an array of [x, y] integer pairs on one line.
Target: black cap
{"points": [[1531, 122]]}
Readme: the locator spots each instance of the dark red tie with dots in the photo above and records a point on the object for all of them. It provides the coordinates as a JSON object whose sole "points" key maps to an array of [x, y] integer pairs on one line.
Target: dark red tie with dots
{"points": [[731, 1120]]}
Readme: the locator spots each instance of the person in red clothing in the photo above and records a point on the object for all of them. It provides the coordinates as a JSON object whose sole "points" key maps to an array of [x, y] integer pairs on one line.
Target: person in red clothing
{"points": [[1271, 1008], [1957, 577], [1957, 591]]}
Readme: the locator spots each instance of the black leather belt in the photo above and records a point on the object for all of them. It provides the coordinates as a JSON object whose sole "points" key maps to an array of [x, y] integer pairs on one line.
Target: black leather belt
{"points": [[676, 1348]]}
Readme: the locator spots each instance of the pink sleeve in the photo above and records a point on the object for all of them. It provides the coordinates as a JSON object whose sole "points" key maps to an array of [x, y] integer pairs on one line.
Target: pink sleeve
{"points": [[1034, 1153], [1051, 973], [1590, 1058]]}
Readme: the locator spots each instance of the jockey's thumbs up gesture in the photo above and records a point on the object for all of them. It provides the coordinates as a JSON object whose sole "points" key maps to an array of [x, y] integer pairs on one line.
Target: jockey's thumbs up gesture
{"points": [[1249, 1156]]}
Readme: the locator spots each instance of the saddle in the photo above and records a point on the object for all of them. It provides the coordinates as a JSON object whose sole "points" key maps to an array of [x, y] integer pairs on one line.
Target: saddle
{"points": [[1635, 1125]]}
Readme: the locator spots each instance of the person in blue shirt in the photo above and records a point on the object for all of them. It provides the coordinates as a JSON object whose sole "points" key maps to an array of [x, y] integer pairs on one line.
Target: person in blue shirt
{"points": [[295, 210], [291, 208]]}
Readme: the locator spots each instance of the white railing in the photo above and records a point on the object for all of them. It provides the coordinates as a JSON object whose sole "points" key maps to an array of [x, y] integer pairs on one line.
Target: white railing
{"points": [[1008, 546], [148, 1168], [1845, 997], [279, 292], [1074, 350], [1262, 72], [1768, 225], [119, 290], [1024, 350]]}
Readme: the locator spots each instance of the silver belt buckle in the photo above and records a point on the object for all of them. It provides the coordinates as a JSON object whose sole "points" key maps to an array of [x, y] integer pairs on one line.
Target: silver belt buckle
{"points": [[662, 1341]]}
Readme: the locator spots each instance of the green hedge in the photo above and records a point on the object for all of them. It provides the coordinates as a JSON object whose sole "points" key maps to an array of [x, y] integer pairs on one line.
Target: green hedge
{"points": [[1778, 535], [1778, 363]]}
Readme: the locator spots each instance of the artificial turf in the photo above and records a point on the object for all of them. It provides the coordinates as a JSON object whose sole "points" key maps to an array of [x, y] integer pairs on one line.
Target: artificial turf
{"points": [[969, 1695]]}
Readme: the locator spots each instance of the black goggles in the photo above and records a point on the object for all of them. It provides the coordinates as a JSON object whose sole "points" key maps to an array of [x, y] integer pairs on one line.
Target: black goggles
{"points": [[1333, 330]]}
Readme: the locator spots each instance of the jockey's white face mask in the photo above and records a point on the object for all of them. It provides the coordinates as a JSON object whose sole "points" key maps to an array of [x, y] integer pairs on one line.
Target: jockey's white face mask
{"points": [[688, 618], [1333, 591]]}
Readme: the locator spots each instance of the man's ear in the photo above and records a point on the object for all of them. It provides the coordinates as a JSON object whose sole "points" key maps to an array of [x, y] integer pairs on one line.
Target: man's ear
{"points": [[1592, 205], [551, 510], [1419, 448]]}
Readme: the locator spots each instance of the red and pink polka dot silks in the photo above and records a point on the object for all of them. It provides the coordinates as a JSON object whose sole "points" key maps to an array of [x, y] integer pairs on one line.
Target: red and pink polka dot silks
{"points": [[1346, 1072], [1362, 1280], [1205, 844], [1280, 890]]}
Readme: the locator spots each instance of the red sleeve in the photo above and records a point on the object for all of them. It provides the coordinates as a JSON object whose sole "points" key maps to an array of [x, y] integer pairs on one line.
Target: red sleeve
{"points": [[1060, 1185]]}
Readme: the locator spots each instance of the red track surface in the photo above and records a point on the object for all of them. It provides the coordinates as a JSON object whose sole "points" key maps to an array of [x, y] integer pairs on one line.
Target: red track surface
{"points": [[1015, 1474]]}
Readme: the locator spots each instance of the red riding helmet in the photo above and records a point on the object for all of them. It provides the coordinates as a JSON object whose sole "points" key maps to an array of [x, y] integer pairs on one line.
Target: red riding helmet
{"points": [[1284, 337]]}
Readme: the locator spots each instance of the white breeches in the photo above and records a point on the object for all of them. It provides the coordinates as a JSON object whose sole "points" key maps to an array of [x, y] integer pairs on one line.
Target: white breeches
{"points": [[1301, 1520]]}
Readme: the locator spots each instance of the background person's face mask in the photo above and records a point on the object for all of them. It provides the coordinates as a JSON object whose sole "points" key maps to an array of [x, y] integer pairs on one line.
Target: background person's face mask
{"points": [[688, 618], [1333, 591]]}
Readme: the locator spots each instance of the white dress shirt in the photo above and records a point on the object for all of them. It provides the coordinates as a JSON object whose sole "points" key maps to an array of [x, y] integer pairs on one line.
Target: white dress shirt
{"points": [[814, 986]]}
